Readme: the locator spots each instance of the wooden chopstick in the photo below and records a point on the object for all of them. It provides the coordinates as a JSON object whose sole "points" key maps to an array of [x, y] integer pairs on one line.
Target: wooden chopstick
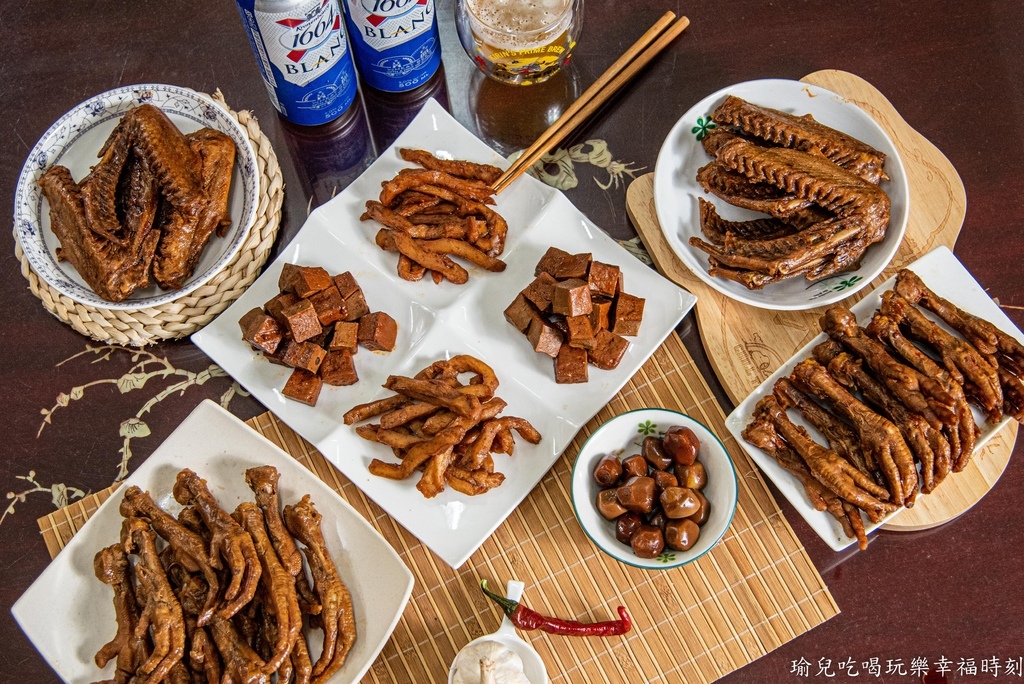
{"points": [[546, 140], [624, 68]]}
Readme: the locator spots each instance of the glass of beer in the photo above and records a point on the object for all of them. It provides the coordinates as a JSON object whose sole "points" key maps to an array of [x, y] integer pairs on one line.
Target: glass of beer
{"points": [[519, 41]]}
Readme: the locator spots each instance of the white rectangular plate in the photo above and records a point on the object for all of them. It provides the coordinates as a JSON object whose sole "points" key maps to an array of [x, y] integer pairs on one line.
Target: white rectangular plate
{"points": [[68, 614], [440, 321], [948, 278]]}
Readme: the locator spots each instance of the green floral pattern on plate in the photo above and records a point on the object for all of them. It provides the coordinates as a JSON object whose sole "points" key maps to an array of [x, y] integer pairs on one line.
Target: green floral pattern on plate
{"points": [[849, 282], [647, 428], [703, 127]]}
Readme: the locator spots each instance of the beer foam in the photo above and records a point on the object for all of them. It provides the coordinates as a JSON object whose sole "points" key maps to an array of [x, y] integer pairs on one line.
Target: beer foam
{"points": [[519, 25]]}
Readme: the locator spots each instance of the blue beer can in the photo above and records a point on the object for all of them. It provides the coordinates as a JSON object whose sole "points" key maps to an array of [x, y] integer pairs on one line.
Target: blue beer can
{"points": [[303, 56], [396, 43]]}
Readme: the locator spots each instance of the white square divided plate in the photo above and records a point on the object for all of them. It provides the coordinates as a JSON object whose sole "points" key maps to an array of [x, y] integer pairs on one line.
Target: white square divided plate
{"points": [[946, 276], [439, 321], [68, 614]]}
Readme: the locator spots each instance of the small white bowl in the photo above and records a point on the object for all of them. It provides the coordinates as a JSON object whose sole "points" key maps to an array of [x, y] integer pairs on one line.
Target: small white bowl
{"points": [[622, 436]]}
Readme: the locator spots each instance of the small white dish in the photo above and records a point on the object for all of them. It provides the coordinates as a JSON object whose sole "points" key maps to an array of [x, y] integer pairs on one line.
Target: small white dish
{"points": [[533, 665], [946, 276], [623, 435], [74, 141], [68, 614], [676, 191], [439, 321]]}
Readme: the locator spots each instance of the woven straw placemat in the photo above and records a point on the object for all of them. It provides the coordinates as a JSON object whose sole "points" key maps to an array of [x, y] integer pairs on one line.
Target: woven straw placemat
{"points": [[187, 314], [754, 592]]}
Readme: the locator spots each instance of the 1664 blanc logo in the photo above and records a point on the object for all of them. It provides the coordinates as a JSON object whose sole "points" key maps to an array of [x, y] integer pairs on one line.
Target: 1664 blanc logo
{"points": [[387, 23], [304, 45]]}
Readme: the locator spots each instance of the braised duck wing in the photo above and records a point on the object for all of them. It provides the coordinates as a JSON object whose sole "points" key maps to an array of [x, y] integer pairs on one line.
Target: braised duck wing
{"points": [[788, 255], [152, 202], [185, 232], [739, 191], [111, 270], [820, 186], [99, 189], [803, 133], [716, 228], [809, 177], [176, 165]]}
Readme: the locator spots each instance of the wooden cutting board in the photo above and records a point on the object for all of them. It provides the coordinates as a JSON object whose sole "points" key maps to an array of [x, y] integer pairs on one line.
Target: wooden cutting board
{"points": [[746, 344]]}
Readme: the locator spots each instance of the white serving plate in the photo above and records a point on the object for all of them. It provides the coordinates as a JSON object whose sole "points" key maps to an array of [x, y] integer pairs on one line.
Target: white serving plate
{"points": [[676, 192], [68, 614], [74, 141], [623, 435], [947, 277], [439, 321]]}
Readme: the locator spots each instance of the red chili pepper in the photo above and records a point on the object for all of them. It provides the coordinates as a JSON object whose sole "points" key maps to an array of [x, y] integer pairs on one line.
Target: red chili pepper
{"points": [[525, 618]]}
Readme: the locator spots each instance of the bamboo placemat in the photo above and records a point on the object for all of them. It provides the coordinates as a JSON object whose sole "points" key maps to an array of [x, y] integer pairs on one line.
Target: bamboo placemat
{"points": [[754, 592]]}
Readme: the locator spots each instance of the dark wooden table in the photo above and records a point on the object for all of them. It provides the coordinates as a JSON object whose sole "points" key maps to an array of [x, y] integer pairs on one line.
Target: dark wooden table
{"points": [[953, 69]]}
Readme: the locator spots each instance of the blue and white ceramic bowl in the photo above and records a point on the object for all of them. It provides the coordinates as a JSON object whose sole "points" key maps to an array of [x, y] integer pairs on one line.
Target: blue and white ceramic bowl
{"points": [[74, 141], [622, 436]]}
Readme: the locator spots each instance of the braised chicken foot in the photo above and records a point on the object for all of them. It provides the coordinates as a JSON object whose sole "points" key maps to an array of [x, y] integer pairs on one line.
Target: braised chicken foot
{"points": [[228, 539]]}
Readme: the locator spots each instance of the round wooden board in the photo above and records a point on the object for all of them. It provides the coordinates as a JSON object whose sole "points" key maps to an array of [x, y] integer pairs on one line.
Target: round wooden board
{"points": [[746, 345]]}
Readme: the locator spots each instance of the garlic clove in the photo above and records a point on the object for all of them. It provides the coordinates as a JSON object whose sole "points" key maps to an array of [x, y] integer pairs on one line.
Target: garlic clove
{"points": [[488, 662]]}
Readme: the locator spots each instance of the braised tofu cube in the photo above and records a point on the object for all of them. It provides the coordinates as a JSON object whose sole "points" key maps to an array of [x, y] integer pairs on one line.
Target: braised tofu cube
{"points": [[329, 305], [356, 306], [608, 351], [600, 314], [278, 304], [338, 368], [603, 279], [303, 280], [544, 337], [346, 284], [321, 339], [303, 386], [571, 298], [628, 313], [261, 331], [283, 350], [301, 320], [539, 291], [378, 331], [570, 365], [574, 266], [580, 334], [520, 312], [550, 262], [346, 336], [304, 355], [284, 281]]}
